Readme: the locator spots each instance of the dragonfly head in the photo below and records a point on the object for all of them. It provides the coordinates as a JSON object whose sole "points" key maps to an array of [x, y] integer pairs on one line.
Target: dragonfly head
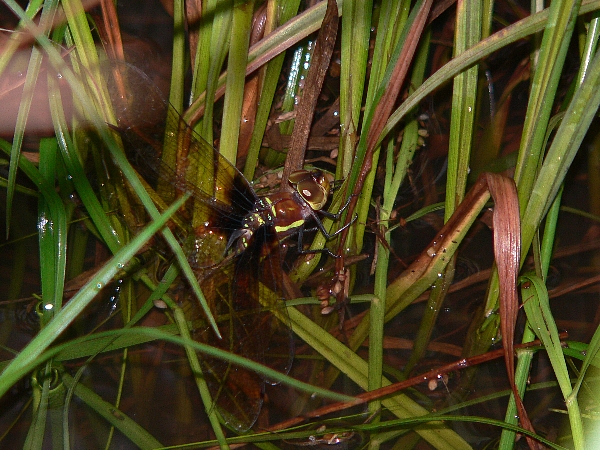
{"points": [[313, 186]]}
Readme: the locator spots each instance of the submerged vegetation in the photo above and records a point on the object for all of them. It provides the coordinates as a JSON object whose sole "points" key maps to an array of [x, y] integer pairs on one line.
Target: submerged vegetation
{"points": [[442, 292]]}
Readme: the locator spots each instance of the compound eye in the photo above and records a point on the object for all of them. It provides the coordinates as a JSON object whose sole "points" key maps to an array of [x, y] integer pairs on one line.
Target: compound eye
{"points": [[322, 180], [299, 176], [312, 186]]}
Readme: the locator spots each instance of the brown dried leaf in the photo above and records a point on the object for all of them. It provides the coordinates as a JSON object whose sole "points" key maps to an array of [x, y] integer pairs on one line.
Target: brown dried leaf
{"points": [[314, 81], [507, 252]]}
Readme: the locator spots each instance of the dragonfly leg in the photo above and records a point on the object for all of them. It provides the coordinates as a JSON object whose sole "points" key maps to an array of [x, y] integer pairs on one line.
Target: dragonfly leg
{"points": [[319, 226], [301, 250], [324, 232], [337, 215], [333, 216]]}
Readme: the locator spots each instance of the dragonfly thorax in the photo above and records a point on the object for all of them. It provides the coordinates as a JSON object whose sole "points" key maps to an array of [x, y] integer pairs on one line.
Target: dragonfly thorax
{"points": [[290, 209], [290, 212], [286, 211]]}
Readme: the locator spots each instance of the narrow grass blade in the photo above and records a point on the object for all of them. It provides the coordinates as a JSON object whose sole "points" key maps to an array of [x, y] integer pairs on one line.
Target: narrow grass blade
{"points": [[134, 432], [539, 315]]}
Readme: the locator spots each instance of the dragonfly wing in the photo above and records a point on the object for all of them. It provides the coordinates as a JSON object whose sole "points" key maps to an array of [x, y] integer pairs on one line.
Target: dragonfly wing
{"points": [[237, 392], [243, 288], [265, 336], [274, 322], [221, 196], [179, 161], [246, 295]]}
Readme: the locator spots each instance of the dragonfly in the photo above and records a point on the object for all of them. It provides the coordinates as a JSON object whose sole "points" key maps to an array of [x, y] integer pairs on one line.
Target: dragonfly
{"points": [[233, 239]]}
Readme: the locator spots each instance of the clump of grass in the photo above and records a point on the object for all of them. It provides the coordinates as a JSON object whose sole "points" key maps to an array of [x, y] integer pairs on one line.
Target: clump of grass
{"points": [[390, 63]]}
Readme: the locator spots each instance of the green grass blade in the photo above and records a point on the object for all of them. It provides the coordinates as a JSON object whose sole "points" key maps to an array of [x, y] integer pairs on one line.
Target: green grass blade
{"points": [[35, 436], [217, 35], [553, 51], [234, 88], [464, 100], [33, 71], [591, 358], [52, 232], [130, 429], [355, 35], [564, 147], [80, 180], [147, 334], [537, 308], [179, 58], [207, 400]]}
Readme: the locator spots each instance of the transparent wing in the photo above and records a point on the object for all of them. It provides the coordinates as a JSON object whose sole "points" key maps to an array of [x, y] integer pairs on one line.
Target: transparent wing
{"points": [[244, 289], [253, 321], [182, 162]]}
